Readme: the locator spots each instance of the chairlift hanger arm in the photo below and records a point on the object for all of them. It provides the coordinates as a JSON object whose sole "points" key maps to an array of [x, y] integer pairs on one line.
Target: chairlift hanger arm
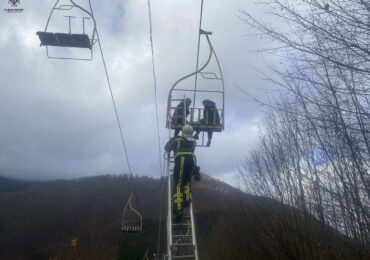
{"points": [[52, 10], [189, 75], [222, 80], [131, 207], [69, 39], [91, 15]]}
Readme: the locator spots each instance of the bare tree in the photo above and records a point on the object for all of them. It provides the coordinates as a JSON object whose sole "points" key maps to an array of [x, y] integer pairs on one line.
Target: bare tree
{"points": [[313, 152]]}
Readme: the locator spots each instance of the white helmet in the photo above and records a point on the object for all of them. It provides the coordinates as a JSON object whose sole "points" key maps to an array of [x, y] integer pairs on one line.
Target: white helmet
{"points": [[187, 132]]}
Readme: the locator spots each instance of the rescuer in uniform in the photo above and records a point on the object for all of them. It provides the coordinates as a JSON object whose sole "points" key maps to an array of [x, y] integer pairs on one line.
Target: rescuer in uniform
{"points": [[179, 117], [185, 165]]}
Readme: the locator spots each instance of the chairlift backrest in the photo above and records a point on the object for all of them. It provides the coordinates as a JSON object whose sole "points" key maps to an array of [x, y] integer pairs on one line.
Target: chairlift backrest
{"points": [[68, 39]]}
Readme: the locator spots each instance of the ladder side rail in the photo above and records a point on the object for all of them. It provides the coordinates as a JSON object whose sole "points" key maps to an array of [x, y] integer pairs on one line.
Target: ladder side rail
{"points": [[193, 231], [169, 215]]}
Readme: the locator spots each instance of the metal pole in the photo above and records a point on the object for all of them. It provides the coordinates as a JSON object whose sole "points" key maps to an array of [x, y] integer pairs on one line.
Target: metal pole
{"points": [[196, 69]]}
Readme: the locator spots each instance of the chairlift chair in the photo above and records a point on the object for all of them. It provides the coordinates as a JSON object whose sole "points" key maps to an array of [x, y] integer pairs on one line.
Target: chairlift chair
{"points": [[213, 119], [70, 40], [132, 220]]}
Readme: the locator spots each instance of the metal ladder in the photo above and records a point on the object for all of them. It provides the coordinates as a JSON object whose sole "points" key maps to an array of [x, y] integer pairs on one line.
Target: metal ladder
{"points": [[181, 239]]}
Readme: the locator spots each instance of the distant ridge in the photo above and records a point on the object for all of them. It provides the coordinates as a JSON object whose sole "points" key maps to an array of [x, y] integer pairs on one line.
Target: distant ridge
{"points": [[11, 185]]}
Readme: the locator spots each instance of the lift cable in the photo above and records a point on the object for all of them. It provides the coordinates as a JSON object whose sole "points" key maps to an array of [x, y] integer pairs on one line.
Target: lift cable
{"points": [[155, 84], [158, 133], [161, 206], [116, 113], [196, 69]]}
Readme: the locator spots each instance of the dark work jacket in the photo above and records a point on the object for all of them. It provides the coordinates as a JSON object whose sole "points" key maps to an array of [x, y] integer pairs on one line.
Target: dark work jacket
{"points": [[178, 115], [180, 146], [210, 112]]}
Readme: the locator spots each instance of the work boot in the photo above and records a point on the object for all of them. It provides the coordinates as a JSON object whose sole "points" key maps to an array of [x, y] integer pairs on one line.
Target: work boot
{"points": [[196, 136], [208, 143]]}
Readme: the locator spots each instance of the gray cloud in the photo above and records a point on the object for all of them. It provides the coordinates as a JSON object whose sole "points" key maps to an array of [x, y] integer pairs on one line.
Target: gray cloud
{"points": [[57, 120]]}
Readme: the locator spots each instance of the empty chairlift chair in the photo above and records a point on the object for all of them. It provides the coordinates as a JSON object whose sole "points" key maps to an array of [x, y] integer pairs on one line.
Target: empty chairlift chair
{"points": [[69, 39], [132, 221]]}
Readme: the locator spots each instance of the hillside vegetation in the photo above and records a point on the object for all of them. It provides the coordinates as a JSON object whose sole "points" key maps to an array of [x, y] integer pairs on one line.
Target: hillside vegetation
{"points": [[40, 222]]}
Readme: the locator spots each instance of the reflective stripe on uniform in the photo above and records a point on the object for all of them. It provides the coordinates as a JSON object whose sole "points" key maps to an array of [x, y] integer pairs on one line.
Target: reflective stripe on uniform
{"points": [[184, 153], [177, 198], [187, 191], [178, 195]]}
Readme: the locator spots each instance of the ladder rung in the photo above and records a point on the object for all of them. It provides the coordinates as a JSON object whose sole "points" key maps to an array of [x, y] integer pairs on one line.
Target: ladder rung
{"points": [[180, 230], [182, 256], [177, 236], [180, 224], [183, 244], [183, 218]]}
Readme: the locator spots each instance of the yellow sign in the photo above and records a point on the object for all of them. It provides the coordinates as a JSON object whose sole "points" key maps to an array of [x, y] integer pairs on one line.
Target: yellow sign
{"points": [[74, 243]]}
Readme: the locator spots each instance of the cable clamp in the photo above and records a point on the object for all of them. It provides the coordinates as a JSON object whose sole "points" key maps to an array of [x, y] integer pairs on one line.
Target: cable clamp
{"points": [[204, 32]]}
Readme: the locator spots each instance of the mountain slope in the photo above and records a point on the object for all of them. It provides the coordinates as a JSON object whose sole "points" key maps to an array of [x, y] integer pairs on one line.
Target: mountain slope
{"points": [[40, 222], [9, 185]]}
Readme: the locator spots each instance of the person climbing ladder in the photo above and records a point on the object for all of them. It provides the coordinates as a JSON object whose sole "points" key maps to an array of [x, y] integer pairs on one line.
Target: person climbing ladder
{"points": [[185, 164]]}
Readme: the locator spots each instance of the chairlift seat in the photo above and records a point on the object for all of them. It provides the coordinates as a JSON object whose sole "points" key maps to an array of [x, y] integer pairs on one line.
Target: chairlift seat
{"points": [[132, 221], [132, 228], [47, 39], [176, 126], [64, 40], [198, 127], [205, 128]]}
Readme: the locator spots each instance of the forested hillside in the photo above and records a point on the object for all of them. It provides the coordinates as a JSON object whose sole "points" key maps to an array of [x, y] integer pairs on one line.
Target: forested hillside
{"points": [[40, 222], [7, 184]]}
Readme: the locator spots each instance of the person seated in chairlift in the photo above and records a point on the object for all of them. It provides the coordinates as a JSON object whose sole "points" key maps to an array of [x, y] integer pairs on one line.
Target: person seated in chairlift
{"points": [[178, 115], [210, 118]]}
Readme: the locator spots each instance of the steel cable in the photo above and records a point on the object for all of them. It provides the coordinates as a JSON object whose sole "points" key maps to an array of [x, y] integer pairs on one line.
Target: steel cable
{"points": [[116, 112], [157, 119]]}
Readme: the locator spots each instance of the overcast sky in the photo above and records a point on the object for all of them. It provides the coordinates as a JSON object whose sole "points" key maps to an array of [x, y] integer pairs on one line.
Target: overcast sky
{"points": [[57, 118]]}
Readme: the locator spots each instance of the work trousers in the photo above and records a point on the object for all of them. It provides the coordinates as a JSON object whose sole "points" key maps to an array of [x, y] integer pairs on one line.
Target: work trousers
{"points": [[184, 169]]}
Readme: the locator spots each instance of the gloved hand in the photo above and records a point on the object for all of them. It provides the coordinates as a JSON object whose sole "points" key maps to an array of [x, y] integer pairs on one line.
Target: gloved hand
{"points": [[197, 173]]}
